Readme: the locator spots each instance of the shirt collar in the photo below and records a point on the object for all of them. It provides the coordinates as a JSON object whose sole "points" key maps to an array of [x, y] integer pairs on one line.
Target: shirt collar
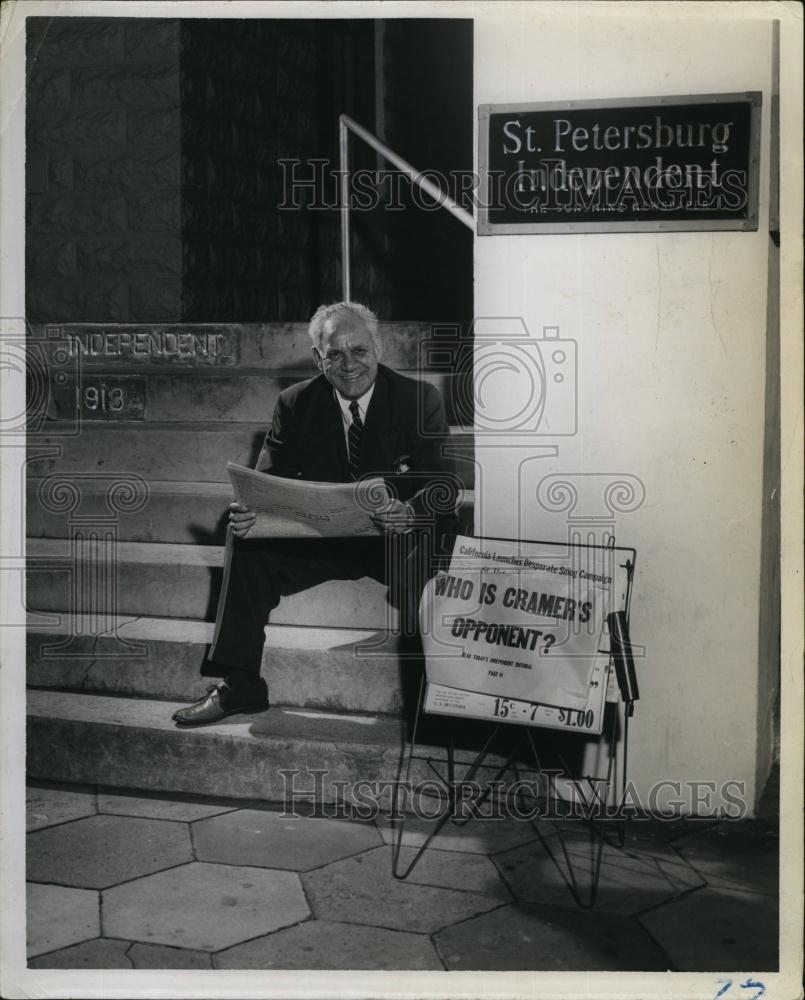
{"points": [[363, 403]]}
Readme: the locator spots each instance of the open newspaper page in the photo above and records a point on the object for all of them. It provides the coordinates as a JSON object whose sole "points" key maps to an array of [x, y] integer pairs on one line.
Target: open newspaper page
{"points": [[295, 508]]}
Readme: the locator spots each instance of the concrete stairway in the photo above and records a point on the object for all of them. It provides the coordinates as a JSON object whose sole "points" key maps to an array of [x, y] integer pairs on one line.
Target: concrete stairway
{"points": [[111, 652], [276, 755], [309, 666], [176, 461], [181, 581]]}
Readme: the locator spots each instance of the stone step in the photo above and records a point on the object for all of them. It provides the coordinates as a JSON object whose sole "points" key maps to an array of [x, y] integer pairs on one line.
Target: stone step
{"points": [[154, 396], [187, 513], [189, 452], [336, 669], [181, 581], [133, 743], [257, 346]]}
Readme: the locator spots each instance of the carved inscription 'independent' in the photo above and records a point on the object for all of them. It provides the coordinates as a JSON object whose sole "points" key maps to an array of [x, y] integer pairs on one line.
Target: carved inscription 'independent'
{"points": [[135, 345]]}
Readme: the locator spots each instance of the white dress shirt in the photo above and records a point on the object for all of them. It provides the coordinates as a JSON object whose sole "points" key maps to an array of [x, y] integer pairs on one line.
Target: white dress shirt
{"points": [[346, 415]]}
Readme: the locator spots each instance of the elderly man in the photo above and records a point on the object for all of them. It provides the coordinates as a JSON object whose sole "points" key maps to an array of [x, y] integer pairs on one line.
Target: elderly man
{"points": [[356, 418]]}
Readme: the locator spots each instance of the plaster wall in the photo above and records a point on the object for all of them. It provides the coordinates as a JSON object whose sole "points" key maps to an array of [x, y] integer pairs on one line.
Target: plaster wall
{"points": [[670, 334]]}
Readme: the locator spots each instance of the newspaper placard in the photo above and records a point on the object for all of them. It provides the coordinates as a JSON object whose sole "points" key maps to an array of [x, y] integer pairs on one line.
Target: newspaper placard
{"points": [[515, 625], [296, 508]]}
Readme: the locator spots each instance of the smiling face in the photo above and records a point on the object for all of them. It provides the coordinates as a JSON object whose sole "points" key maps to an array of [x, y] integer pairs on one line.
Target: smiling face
{"points": [[347, 355]]}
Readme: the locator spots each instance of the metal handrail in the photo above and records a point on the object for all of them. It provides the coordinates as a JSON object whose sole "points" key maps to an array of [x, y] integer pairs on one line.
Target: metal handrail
{"points": [[443, 200]]}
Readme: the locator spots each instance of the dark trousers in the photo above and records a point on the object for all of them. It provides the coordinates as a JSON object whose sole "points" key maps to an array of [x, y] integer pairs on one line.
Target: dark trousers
{"points": [[258, 572]]}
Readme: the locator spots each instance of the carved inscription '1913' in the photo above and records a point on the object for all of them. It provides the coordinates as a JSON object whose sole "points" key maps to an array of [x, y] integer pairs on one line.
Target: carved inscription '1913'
{"points": [[100, 397]]}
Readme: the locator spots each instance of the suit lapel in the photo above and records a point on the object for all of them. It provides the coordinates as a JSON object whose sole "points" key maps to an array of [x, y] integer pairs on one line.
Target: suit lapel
{"points": [[376, 426], [333, 441]]}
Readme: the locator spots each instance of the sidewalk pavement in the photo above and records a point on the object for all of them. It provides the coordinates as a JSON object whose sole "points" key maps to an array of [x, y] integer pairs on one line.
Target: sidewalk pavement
{"points": [[120, 880]]}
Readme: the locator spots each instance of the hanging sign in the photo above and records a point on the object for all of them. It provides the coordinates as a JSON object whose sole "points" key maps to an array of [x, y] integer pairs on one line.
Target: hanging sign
{"points": [[515, 635], [647, 164]]}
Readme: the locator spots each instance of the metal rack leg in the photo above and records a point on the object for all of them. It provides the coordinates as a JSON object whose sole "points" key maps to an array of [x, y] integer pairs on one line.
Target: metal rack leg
{"points": [[469, 775], [400, 812], [597, 838]]}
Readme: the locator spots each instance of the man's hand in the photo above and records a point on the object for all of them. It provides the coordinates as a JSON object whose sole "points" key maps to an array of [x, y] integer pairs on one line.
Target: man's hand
{"points": [[241, 519], [397, 518]]}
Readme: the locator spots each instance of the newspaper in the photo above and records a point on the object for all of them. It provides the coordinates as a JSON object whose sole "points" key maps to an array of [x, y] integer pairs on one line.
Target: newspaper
{"points": [[522, 626], [295, 508]]}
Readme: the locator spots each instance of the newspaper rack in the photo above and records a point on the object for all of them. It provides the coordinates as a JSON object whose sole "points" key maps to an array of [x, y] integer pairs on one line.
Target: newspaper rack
{"points": [[610, 746]]}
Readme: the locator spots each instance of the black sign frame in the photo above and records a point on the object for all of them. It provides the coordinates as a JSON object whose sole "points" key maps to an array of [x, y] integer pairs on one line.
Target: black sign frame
{"points": [[747, 222]]}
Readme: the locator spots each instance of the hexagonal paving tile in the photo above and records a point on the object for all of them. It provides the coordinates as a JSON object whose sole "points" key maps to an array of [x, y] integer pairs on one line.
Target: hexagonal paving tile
{"points": [[324, 944], [103, 850], [156, 807], [101, 953], [268, 839], [478, 836], [454, 870], [526, 938], [363, 890], [714, 929], [733, 861], [160, 956], [58, 917], [47, 805], [202, 906], [632, 879]]}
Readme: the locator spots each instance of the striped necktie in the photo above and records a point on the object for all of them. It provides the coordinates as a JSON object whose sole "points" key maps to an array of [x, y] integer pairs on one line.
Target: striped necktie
{"points": [[354, 439]]}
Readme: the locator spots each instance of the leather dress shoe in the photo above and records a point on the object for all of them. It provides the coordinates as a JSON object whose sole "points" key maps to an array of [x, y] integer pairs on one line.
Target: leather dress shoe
{"points": [[221, 701]]}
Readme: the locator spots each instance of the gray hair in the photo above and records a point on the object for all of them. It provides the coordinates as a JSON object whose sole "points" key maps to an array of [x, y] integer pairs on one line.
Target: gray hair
{"points": [[323, 313]]}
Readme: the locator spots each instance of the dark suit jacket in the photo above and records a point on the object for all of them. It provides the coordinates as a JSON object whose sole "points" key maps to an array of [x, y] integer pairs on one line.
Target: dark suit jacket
{"points": [[405, 425]]}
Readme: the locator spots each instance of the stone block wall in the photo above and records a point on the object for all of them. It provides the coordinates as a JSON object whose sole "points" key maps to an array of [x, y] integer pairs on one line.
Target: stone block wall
{"points": [[103, 239], [153, 174], [246, 102]]}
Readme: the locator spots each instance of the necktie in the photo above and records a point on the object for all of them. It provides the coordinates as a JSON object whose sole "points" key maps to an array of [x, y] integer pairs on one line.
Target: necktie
{"points": [[354, 439]]}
